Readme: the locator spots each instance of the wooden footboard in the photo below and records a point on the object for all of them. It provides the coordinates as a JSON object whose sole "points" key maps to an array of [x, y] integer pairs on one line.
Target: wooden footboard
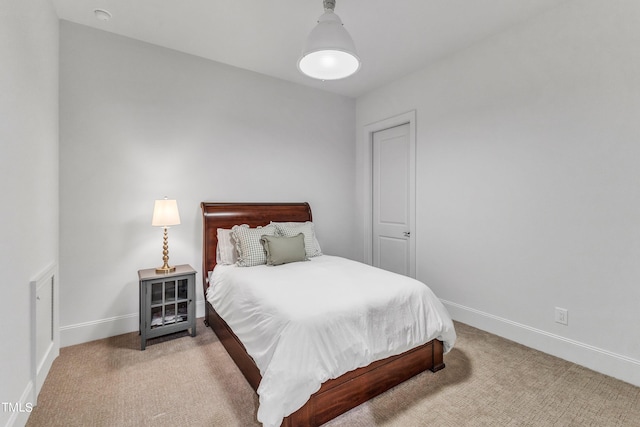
{"points": [[339, 395]]}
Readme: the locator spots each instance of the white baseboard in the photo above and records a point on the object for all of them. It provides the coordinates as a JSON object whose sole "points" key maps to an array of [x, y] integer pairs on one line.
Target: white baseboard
{"points": [[98, 329], [103, 328], [199, 308], [606, 362], [21, 410]]}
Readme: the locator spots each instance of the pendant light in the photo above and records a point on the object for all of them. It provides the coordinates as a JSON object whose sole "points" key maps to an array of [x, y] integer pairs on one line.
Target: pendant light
{"points": [[329, 53]]}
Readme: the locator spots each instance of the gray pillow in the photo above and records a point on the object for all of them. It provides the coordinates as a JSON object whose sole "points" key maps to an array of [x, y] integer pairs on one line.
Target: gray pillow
{"points": [[281, 250], [289, 229]]}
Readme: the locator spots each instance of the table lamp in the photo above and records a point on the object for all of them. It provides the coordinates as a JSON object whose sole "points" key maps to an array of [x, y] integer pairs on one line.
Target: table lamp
{"points": [[165, 214]]}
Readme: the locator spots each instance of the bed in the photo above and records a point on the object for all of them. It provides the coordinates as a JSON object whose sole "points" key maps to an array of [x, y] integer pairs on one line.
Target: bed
{"points": [[334, 396]]}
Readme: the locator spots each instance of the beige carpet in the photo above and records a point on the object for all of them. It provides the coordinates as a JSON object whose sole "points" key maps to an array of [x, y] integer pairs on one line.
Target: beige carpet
{"points": [[184, 381]]}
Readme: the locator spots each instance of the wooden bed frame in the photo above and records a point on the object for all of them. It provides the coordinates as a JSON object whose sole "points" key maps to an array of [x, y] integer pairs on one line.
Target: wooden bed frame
{"points": [[338, 395]]}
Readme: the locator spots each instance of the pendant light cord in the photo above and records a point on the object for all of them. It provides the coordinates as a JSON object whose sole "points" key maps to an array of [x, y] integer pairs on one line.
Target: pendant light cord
{"points": [[329, 4]]}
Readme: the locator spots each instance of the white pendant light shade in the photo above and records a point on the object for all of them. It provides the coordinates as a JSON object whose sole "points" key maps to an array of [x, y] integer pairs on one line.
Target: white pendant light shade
{"points": [[330, 53]]}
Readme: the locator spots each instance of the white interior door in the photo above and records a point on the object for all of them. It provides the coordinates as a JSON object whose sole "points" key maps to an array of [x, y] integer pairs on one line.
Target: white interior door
{"points": [[393, 183]]}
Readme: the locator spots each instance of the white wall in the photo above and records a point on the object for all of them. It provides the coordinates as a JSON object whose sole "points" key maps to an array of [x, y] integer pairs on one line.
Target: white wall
{"points": [[29, 183], [139, 122], [528, 192]]}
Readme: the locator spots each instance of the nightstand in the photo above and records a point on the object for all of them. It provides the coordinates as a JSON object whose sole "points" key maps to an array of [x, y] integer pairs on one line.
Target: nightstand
{"points": [[166, 302]]}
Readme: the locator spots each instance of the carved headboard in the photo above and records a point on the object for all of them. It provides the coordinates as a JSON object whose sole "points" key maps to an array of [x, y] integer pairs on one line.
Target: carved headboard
{"points": [[226, 215]]}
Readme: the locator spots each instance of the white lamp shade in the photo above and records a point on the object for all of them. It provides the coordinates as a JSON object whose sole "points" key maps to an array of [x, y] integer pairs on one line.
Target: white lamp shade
{"points": [[165, 213], [330, 53]]}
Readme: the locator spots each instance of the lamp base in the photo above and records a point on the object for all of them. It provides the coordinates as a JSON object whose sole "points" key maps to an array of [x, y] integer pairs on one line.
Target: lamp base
{"points": [[165, 269]]}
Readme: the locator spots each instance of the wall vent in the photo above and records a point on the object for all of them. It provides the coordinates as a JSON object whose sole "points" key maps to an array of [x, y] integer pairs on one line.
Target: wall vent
{"points": [[45, 331]]}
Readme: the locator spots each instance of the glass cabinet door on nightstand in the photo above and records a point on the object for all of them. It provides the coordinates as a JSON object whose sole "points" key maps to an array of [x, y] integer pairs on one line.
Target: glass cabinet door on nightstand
{"points": [[169, 302], [166, 302]]}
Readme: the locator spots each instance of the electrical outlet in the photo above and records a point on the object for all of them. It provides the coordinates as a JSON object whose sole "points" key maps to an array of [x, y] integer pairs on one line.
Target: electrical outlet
{"points": [[562, 316]]}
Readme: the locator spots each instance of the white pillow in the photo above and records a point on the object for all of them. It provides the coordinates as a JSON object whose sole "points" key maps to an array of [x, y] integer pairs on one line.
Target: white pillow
{"points": [[250, 250], [290, 229], [226, 251]]}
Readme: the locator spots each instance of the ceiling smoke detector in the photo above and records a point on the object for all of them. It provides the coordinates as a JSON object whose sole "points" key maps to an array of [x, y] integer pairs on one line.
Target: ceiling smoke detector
{"points": [[102, 14]]}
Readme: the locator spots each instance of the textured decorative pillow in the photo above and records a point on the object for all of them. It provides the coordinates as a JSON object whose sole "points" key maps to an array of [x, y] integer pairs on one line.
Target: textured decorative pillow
{"points": [[250, 250], [226, 251], [281, 250], [289, 229]]}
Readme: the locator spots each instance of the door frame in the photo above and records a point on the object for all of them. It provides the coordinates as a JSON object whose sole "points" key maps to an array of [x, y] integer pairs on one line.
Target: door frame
{"points": [[401, 119]]}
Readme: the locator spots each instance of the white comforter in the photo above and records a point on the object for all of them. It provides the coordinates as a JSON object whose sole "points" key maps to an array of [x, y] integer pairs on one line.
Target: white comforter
{"points": [[306, 322]]}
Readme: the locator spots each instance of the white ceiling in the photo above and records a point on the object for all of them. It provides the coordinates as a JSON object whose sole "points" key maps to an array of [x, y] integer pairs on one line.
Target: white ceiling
{"points": [[393, 37]]}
